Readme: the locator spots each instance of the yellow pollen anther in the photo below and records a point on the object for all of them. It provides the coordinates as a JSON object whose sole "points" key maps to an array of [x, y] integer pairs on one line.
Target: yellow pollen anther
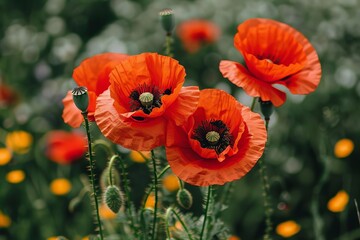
{"points": [[268, 60], [146, 99], [212, 137]]}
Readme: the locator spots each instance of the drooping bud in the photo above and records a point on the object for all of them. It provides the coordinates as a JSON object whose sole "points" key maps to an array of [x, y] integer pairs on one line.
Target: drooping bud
{"points": [[184, 198], [81, 98], [167, 20], [104, 179], [113, 198], [266, 108]]}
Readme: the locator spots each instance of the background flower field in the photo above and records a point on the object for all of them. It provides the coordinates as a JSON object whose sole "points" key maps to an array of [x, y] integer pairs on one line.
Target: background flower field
{"points": [[312, 155]]}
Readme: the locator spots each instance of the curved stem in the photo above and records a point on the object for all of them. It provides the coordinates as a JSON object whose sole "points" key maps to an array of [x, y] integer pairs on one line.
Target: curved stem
{"points": [[167, 215], [156, 194], [206, 211], [126, 187], [111, 163], [92, 178]]}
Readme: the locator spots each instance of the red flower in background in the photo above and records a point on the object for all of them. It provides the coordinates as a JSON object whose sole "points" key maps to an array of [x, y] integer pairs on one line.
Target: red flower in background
{"points": [[274, 53], [65, 147], [8, 96], [220, 143], [146, 90], [93, 73], [194, 33]]}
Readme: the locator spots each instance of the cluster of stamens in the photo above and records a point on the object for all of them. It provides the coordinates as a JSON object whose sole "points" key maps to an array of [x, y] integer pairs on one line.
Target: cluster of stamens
{"points": [[146, 98], [213, 134]]}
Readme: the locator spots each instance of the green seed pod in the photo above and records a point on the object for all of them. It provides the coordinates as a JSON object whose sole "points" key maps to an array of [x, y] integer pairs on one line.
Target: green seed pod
{"points": [[105, 181], [113, 198], [184, 198], [266, 108], [81, 98], [167, 20]]}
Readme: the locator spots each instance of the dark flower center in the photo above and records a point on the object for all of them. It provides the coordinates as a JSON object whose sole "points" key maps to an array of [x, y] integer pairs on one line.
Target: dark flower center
{"points": [[213, 134], [146, 97]]}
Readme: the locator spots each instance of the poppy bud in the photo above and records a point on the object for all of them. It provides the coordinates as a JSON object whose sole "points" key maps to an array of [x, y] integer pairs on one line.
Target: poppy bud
{"points": [[81, 98], [266, 108], [167, 20], [184, 198], [113, 198]]}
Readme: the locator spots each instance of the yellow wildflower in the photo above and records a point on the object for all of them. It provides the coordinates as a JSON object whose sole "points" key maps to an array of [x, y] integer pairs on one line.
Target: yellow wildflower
{"points": [[5, 156], [171, 183], [338, 202], [138, 158], [343, 148], [19, 141], [15, 176], [60, 186], [288, 229]]}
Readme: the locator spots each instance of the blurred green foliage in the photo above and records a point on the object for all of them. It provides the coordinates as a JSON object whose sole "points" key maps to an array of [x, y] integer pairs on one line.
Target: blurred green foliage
{"points": [[42, 41]]}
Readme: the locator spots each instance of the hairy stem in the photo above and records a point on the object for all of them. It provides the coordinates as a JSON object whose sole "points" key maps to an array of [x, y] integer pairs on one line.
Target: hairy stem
{"points": [[209, 195], [153, 234], [152, 187], [167, 216], [266, 194], [92, 177]]}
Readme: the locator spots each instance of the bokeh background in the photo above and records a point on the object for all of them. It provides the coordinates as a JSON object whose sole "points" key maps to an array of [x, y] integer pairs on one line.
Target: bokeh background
{"points": [[41, 41]]}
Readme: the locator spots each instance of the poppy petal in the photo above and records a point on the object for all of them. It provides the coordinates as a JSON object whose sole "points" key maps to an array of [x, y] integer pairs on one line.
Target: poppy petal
{"points": [[185, 104], [151, 69], [189, 167], [93, 72], [187, 161], [241, 77], [71, 114], [137, 135]]}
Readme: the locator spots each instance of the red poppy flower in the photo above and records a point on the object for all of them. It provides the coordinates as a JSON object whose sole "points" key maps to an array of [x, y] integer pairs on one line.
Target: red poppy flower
{"points": [[65, 147], [145, 91], [274, 53], [93, 73], [194, 33], [220, 143], [8, 96]]}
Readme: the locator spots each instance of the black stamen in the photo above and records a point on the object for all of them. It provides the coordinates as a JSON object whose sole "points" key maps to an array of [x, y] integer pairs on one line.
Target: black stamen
{"points": [[167, 91], [218, 126]]}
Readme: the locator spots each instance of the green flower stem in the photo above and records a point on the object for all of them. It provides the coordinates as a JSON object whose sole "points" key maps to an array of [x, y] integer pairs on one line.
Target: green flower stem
{"points": [[253, 104], [92, 178], [152, 187], [209, 195], [153, 234], [314, 206], [126, 188], [168, 43], [167, 216], [266, 194], [111, 163]]}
